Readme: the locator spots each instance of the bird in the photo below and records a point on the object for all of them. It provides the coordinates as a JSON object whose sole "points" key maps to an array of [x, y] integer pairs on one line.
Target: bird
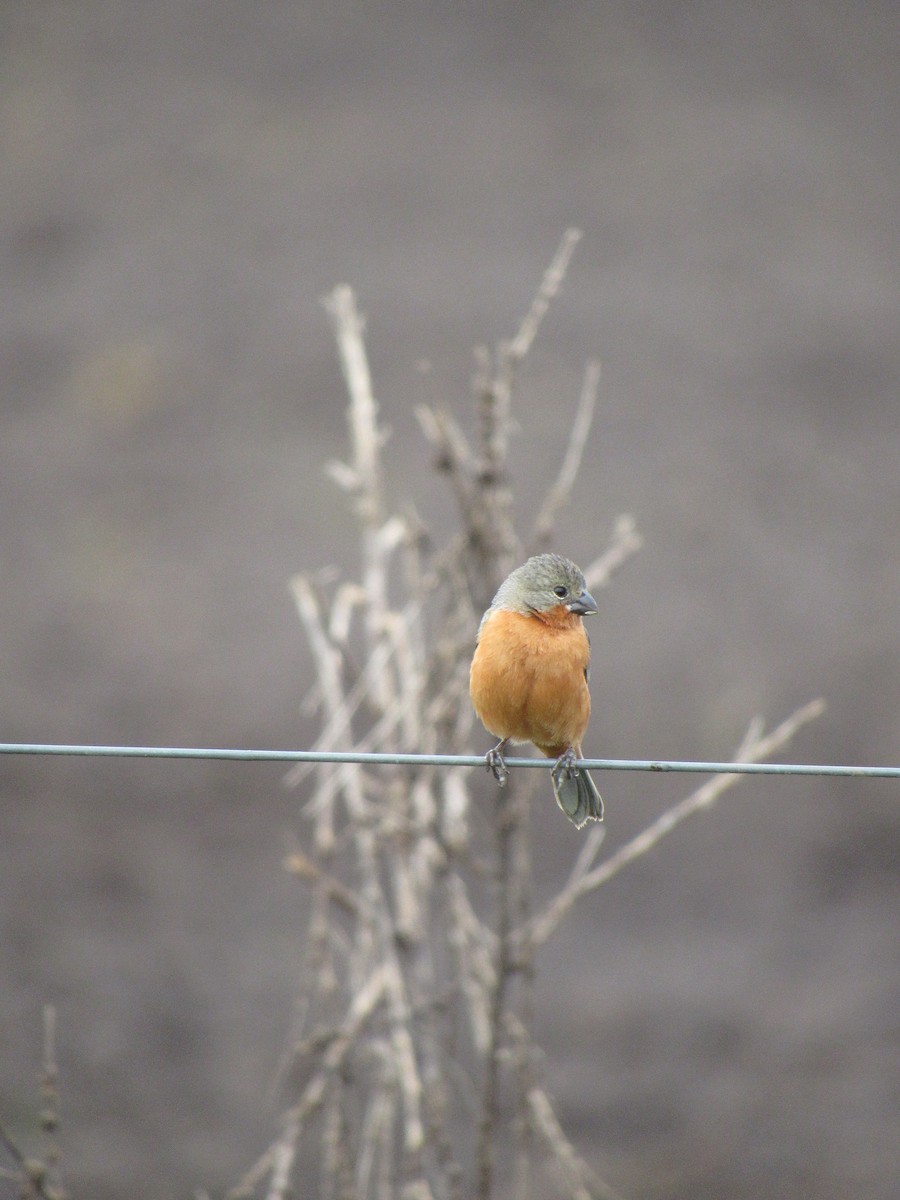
{"points": [[529, 675]]}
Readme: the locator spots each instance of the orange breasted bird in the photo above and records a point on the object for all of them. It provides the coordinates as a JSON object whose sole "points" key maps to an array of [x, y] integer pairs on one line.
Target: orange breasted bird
{"points": [[528, 679]]}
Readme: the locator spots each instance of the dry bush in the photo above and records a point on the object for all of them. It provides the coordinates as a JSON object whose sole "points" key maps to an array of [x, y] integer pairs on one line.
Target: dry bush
{"points": [[38, 1176], [413, 1072]]}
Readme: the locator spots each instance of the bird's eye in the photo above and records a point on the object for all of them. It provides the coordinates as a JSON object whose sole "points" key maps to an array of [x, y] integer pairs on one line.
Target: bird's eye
{"points": [[560, 591]]}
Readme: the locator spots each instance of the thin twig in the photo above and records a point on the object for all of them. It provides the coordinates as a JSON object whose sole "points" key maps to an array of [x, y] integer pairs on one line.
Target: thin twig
{"points": [[50, 1097], [508, 816], [625, 543], [366, 439], [546, 293], [297, 863], [328, 665], [493, 540], [40, 1179], [560, 493], [580, 1181], [279, 1158], [363, 411]]}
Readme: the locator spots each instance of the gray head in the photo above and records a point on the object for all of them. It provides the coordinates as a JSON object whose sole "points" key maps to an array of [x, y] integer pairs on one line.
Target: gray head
{"points": [[544, 582]]}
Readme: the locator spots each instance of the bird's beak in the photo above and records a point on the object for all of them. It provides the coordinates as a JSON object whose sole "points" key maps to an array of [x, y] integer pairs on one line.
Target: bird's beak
{"points": [[583, 604]]}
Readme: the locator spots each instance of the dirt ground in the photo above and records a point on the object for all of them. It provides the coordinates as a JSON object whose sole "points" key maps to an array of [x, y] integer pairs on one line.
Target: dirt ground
{"points": [[180, 186]]}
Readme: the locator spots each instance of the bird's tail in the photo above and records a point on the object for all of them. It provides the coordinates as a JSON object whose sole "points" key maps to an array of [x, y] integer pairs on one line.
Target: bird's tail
{"points": [[577, 796]]}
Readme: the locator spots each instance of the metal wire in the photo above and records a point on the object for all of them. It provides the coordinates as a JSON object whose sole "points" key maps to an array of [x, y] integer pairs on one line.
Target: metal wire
{"points": [[443, 760]]}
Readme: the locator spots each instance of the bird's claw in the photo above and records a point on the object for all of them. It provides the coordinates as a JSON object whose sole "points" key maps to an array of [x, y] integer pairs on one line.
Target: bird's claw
{"points": [[565, 766], [494, 763]]}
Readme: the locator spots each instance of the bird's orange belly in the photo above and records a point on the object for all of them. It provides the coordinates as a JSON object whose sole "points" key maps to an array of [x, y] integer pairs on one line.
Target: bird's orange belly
{"points": [[528, 684]]}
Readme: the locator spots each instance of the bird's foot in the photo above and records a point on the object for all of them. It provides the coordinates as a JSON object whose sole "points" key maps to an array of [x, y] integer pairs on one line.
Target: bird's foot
{"points": [[565, 766], [495, 763]]}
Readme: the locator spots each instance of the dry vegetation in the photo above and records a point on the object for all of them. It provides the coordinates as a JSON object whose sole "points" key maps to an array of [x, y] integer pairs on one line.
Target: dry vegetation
{"points": [[413, 1068], [412, 1072]]}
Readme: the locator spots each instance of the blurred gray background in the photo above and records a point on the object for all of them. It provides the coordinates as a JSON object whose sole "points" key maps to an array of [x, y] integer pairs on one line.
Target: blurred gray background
{"points": [[181, 183]]}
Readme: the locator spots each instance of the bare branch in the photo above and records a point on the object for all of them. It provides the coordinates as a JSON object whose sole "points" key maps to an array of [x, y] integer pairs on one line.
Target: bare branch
{"points": [[375, 1137], [580, 1181], [365, 472], [753, 751], [492, 535], [298, 864], [367, 440], [560, 493], [39, 1178], [510, 816], [405, 1062], [451, 447], [50, 1097], [549, 289], [328, 666], [626, 542]]}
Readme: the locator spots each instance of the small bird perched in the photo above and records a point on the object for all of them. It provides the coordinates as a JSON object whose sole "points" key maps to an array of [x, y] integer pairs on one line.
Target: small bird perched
{"points": [[528, 679]]}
